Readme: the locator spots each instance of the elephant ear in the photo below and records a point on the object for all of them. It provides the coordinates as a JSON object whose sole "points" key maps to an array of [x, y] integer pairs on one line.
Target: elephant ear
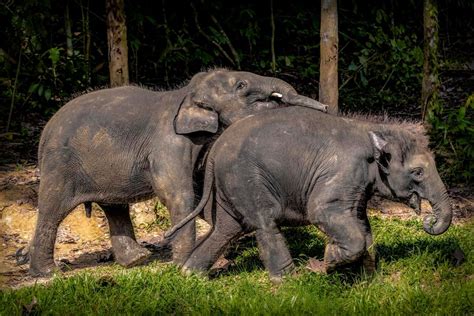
{"points": [[192, 118], [381, 154]]}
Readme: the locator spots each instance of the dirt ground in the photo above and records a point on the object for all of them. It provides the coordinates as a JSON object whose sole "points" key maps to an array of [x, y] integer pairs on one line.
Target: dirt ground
{"points": [[83, 242]]}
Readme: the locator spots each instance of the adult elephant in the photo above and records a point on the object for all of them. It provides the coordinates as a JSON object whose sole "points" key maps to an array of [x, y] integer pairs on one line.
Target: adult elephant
{"points": [[122, 145]]}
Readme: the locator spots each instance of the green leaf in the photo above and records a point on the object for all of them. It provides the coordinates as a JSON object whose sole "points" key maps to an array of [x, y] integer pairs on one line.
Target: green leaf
{"points": [[54, 55], [150, 19], [352, 67], [33, 87], [47, 94], [40, 90], [363, 79], [378, 16]]}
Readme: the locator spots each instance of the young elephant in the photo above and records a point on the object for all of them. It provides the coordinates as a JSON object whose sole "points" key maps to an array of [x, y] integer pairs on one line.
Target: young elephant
{"points": [[295, 167], [121, 145]]}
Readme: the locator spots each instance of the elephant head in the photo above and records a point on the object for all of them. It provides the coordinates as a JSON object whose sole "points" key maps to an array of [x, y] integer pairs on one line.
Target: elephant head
{"points": [[407, 171], [221, 97]]}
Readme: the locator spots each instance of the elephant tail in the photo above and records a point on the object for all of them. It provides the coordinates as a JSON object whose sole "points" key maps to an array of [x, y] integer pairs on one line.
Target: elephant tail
{"points": [[88, 208], [208, 184]]}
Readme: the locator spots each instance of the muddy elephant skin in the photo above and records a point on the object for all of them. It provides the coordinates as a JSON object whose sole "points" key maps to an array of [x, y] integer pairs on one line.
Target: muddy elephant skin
{"points": [[298, 167], [126, 144]]}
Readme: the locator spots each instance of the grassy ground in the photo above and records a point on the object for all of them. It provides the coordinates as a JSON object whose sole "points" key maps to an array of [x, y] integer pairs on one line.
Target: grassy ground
{"points": [[417, 274]]}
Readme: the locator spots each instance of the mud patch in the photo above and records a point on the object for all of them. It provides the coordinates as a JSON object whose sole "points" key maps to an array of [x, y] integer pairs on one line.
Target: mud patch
{"points": [[81, 242], [462, 204]]}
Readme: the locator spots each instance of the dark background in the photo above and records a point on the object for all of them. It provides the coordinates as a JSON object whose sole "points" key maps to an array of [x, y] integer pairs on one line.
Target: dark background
{"points": [[380, 59]]}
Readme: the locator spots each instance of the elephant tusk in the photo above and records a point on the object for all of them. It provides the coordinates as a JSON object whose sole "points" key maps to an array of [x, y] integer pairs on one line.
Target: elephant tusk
{"points": [[277, 95]]}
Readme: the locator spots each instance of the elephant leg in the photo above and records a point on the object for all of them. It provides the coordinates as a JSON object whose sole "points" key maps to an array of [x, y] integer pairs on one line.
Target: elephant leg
{"points": [[369, 260], [347, 240], [274, 252], [272, 245], [126, 250], [52, 209], [225, 229], [184, 242], [175, 190]]}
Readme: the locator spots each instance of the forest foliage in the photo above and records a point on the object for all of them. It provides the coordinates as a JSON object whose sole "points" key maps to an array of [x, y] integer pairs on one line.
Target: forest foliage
{"points": [[53, 50]]}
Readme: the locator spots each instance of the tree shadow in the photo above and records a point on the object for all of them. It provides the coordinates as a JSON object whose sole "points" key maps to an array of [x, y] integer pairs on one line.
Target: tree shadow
{"points": [[444, 250], [87, 260], [244, 254], [160, 252], [304, 244]]}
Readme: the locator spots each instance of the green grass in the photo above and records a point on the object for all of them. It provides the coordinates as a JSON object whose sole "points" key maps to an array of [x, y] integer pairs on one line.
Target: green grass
{"points": [[415, 276]]}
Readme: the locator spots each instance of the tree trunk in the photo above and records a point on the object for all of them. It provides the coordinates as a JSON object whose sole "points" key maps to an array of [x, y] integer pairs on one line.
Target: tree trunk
{"points": [[328, 79], [272, 21], [86, 37], [117, 40], [430, 83], [68, 27]]}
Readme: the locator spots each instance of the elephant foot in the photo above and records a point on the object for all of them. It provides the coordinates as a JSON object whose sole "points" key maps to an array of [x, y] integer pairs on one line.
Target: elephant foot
{"points": [[182, 249], [365, 264], [317, 266], [278, 277], [43, 269], [339, 259], [188, 271], [369, 263], [127, 252], [180, 258]]}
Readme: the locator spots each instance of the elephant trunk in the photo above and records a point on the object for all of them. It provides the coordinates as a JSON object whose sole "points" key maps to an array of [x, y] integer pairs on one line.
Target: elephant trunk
{"points": [[287, 94], [438, 222], [296, 99]]}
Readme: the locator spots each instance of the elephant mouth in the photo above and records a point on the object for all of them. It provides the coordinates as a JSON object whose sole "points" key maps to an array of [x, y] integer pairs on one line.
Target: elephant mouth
{"points": [[414, 202], [262, 102], [267, 104], [272, 102]]}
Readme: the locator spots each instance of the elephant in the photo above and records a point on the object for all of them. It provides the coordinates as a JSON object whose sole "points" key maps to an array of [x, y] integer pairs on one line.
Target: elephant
{"points": [[122, 145], [298, 167]]}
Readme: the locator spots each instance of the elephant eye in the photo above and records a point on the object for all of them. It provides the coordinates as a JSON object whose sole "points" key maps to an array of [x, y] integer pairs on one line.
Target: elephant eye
{"points": [[417, 174], [240, 85]]}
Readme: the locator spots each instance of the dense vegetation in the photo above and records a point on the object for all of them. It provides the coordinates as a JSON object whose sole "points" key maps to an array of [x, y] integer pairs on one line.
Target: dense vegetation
{"points": [[417, 275], [52, 50]]}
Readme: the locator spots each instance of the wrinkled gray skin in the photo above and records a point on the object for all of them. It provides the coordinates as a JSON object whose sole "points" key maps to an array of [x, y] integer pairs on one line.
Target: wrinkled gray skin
{"points": [[297, 167], [122, 145]]}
